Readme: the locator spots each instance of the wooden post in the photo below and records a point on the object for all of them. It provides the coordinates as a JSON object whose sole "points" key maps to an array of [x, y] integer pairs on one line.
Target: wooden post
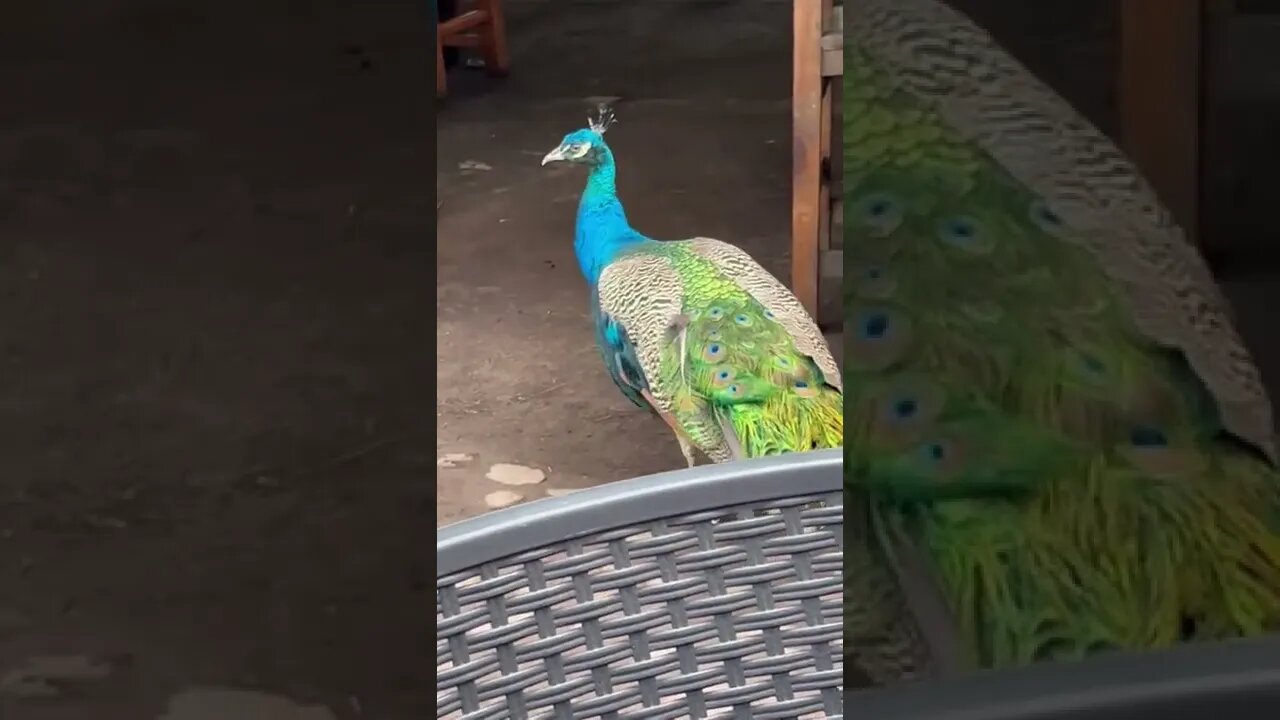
{"points": [[806, 101], [1160, 100]]}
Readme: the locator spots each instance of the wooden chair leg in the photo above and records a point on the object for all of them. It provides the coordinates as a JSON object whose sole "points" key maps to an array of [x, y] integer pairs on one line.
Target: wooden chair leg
{"points": [[442, 86], [497, 60]]}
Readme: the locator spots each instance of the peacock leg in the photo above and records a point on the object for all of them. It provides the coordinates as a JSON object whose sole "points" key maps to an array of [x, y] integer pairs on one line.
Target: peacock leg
{"points": [[686, 448]]}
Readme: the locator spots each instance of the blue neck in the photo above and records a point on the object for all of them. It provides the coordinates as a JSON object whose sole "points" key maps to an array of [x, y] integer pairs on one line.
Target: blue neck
{"points": [[602, 230]]}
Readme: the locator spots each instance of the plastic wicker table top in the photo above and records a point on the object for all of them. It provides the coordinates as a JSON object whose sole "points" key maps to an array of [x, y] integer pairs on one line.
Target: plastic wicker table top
{"points": [[715, 592]]}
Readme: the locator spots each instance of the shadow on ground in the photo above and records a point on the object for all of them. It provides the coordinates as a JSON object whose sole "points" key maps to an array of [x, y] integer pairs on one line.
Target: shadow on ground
{"points": [[214, 297]]}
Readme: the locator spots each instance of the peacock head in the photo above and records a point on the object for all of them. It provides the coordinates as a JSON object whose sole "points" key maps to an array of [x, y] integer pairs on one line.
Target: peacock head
{"points": [[586, 145]]}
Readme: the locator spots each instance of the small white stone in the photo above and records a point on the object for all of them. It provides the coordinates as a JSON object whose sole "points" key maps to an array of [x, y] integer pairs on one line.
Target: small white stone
{"points": [[560, 492], [449, 460], [509, 474], [502, 498]]}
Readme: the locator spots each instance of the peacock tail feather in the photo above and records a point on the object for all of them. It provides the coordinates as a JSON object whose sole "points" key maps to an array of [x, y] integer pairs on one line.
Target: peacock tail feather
{"points": [[725, 350], [1051, 418]]}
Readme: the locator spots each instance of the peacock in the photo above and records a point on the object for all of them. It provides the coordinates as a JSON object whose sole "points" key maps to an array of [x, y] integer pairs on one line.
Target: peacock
{"points": [[1057, 443], [697, 331]]}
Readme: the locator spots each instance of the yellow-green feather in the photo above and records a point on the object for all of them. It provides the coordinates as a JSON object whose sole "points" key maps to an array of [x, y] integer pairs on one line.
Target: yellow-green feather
{"points": [[734, 373], [1051, 530]]}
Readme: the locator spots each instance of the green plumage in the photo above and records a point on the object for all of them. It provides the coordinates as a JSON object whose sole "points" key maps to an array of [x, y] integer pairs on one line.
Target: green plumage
{"points": [[733, 374], [1065, 482]]}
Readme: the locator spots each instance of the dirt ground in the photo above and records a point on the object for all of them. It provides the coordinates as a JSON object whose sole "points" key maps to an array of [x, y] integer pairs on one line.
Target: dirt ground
{"points": [[214, 295]]}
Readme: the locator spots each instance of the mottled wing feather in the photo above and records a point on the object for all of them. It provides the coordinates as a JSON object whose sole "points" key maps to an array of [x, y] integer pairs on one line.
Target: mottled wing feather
{"points": [[740, 267], [619, 354], [643, 295], [954, 67]]}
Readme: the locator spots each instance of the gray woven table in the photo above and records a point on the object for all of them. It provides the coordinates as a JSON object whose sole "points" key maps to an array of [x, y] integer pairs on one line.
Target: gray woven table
{"points": [[714, 592]]}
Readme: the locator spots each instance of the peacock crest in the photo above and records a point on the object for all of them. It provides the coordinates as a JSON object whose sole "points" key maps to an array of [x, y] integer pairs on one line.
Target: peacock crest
{"points": [[602, 120]]}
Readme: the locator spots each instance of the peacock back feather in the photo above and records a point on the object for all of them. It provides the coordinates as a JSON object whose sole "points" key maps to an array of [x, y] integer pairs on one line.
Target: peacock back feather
{"points": [[1051, 418]]}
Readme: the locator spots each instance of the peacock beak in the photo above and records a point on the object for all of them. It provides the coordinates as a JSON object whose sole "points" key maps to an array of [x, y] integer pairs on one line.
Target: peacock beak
{"points": [[553, 156]]}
